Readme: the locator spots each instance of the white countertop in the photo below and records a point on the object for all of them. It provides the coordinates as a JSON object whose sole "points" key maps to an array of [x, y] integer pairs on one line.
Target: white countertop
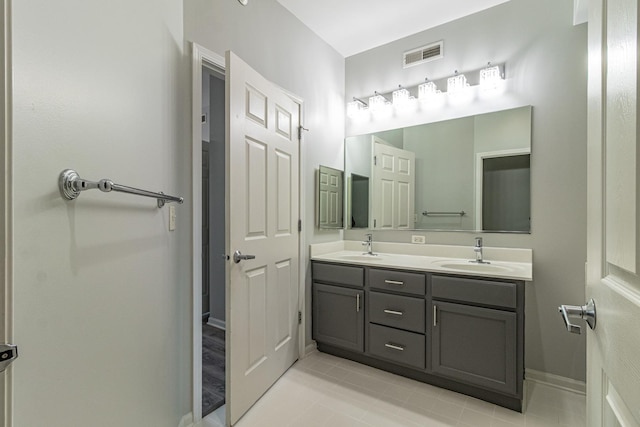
{"points": [[504, 263]]}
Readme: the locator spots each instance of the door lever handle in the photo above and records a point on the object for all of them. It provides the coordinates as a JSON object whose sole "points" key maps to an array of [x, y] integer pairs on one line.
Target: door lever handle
{"points": [[8, 353], [237, 257], [586, 312]]}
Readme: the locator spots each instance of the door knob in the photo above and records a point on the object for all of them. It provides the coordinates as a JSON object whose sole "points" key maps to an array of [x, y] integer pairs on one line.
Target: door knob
{"points": [[586, 312], [237, 256]]}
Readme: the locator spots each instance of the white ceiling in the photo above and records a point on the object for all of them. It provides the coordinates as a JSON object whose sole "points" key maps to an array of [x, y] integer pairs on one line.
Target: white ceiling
{"points": [[353, 26]]}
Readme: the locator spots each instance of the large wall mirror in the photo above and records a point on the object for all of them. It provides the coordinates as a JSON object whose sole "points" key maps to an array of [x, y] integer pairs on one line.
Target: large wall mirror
{"points": [[466, 174]]}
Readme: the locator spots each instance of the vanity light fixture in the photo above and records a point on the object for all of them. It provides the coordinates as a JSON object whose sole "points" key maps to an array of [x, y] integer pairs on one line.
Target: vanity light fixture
{"points": [[401, 97], [457, 83], [378, 103], [490, 77], [427, 90], [355, 107], [459, 92]]}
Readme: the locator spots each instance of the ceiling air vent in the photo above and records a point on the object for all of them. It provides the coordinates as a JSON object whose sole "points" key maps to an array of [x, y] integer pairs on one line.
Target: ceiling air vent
{"points": [[423, 54]]}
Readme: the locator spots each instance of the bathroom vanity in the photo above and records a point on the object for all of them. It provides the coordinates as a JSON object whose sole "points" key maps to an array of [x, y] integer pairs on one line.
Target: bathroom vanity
{"points": [[439, 320]]}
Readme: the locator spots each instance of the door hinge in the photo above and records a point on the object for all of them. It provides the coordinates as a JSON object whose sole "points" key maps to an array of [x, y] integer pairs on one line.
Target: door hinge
{"points": [[299, 225], [8, 353], [299, 317]]}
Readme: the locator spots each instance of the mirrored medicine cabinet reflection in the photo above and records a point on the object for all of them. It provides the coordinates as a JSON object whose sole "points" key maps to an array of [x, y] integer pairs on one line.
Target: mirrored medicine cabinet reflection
{"points": [[465, 174], [330, 198]]}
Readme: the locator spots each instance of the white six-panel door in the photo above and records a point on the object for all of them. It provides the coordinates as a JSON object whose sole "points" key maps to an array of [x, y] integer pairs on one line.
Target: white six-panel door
{"points": [[393, 188], [262, 293], [613, 267]]}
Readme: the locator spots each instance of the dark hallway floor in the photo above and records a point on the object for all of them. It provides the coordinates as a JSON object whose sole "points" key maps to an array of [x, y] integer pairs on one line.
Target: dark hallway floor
{"points": [[213, 366]]}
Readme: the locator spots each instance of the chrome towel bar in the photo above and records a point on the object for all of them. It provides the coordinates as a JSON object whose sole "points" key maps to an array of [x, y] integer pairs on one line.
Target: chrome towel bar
{"points": [[71, 185], [428, 213]]}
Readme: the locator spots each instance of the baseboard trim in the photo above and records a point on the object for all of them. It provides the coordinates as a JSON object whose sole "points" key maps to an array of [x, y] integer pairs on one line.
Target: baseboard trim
{"points": [[310, 349], [217, 323], [186, 421], [557, 381]]}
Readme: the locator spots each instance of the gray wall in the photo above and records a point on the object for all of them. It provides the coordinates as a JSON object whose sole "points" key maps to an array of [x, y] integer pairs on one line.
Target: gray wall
{"points": [[292, 56], [100, 287], [546, 60]]}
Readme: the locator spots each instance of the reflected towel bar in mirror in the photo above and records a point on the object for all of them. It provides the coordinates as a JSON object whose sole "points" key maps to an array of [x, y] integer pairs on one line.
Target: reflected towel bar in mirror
{"points": [[432, 213], [71, 185]]}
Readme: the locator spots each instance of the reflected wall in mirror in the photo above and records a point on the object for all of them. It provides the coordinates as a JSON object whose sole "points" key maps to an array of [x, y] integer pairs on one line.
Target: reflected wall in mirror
{"points": [[466, 174], [330, 198]]}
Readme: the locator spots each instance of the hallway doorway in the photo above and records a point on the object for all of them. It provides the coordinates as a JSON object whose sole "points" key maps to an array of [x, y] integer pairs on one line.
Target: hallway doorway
{"points": [[213, 239], [259, 162], [210, 384]]}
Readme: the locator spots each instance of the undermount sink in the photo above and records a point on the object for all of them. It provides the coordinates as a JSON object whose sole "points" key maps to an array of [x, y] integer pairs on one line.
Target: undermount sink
{"points": [[473, 266], [363, 257]]}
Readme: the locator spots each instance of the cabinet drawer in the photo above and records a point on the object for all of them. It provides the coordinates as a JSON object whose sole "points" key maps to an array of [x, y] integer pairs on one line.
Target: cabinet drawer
{"points": [[399, 281], [399, 346], [397, 311], [485, 292], [340, 274]]}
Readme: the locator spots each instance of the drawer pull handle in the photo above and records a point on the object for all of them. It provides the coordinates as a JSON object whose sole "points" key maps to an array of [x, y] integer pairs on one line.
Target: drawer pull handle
{"points": [[397, 313], [394, 346], [357, 303], [394, 282]]}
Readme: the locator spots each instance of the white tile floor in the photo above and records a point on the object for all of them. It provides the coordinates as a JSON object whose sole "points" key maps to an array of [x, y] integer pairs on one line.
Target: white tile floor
{"points": [[322, 390]]}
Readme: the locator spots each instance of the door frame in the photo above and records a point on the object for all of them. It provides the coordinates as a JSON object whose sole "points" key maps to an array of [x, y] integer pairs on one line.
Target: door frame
{"points": [[200, 57], [6, 220]]}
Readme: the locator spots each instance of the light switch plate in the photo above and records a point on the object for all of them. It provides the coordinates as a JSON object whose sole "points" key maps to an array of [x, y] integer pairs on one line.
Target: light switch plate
{"points": [[172, 218], [418, 239]]}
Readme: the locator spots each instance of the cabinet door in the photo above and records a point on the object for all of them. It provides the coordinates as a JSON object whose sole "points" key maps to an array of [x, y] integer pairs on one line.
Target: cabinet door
{"points": [[475, 345], [338, 316]]}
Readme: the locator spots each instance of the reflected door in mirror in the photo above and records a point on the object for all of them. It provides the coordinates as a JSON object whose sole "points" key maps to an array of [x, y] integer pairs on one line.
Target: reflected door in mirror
{"points": [[393, 185], [330, 199]]}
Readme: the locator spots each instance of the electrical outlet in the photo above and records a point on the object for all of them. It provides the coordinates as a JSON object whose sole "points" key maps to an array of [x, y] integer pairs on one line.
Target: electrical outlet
{"points": [[172, 218], [418, 239]]}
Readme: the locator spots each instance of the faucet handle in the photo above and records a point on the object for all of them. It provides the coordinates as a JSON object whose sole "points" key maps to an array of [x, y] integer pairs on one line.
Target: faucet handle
{"points": [[478, 241]]}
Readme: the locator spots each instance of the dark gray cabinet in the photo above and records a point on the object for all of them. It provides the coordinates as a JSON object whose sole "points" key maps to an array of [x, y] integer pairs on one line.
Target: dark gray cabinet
{"points": [[477, 333], [338, 317], [459, 332], [475, 345]]}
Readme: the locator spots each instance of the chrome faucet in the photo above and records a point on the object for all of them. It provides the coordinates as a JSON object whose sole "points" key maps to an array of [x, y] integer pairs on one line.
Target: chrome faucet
{"points": [[478, 250], [369, 244]]}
